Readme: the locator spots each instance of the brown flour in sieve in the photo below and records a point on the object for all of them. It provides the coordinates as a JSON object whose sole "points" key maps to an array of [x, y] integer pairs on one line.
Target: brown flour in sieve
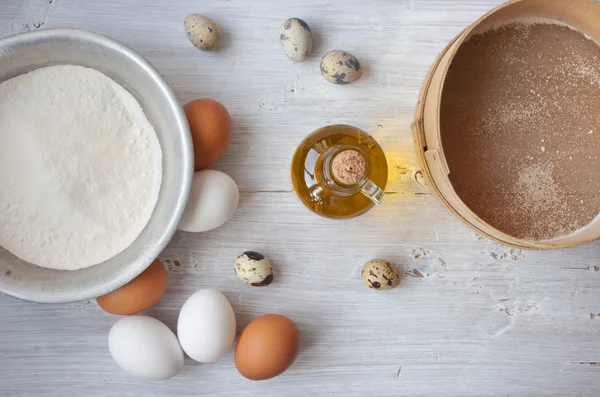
{"points": [[520, 126]]}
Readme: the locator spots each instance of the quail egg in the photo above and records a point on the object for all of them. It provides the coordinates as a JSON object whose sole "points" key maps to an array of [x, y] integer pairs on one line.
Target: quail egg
{"points": [[202, 32], [340, 67], [296, 39], [254, 269], [380, 275]]}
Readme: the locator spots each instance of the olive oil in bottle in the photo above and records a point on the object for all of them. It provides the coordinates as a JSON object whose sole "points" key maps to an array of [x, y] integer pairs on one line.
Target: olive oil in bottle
{"points": [[339, 172]]}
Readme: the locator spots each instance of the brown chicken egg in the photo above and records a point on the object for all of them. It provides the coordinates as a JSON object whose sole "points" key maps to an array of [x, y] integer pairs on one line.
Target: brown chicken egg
{"points": [[267, 347], [210, 124], [139, 294]]}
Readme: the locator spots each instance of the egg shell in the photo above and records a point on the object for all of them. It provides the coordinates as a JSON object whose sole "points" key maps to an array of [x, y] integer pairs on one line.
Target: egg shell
{"points": [[202, 32], [145, 348], [267, 347], [214, 197], [254, 269], [210, 124], [341, 67], [380, 275], [140, 294], [206, 326], [296, 39]]}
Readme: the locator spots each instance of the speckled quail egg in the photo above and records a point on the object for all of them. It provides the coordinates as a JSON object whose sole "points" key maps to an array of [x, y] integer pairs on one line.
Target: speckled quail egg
{"points": [[340, 67], [254, 269], [380, 275], [202, 32], [296, 39]]}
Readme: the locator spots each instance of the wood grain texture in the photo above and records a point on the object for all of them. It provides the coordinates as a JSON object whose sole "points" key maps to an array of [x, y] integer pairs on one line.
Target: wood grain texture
{"points": [[471, 318]]}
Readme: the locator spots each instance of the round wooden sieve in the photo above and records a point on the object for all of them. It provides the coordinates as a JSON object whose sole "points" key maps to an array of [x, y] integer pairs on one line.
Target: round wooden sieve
{"points": [[582, 15]]}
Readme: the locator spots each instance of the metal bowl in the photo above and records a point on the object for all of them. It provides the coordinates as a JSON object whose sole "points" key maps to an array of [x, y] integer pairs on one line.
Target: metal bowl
{"points": [[29, 51]]}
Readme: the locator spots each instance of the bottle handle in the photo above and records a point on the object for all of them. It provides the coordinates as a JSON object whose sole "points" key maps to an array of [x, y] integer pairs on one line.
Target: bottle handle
{"points": [[373, 192]]}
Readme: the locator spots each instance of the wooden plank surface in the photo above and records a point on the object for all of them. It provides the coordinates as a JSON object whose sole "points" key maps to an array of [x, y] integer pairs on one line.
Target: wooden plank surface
{"points": [[485, 321]]}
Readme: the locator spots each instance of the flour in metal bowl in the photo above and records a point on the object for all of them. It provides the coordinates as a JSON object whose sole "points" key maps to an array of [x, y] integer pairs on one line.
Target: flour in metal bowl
{"points": [[80, 167]]}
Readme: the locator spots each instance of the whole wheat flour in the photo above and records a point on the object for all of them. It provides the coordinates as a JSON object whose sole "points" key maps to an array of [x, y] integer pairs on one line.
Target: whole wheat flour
{"points": [[80, 167]]}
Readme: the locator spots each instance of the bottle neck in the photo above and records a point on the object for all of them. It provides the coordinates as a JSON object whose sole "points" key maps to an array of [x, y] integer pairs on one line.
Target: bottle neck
{"points": [[361, 184], [348, 176]]}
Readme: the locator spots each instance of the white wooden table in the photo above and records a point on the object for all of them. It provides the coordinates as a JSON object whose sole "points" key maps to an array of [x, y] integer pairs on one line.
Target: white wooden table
{"points": [[486, 321]]}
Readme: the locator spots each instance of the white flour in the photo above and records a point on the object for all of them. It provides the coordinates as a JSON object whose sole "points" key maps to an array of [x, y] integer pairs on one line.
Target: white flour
{"points": [[80, 167]]}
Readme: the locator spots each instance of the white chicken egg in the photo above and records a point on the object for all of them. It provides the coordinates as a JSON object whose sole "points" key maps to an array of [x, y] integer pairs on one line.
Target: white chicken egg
{"points": [[206, 326], [213, 200], [145, 348]]}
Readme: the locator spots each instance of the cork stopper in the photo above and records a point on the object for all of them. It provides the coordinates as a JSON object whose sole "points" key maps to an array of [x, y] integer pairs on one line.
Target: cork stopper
{"points": [[349, 167]]}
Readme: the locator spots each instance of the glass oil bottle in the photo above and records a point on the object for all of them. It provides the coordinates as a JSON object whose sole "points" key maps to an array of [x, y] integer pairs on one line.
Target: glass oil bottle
{"points": [[314, 172]]}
